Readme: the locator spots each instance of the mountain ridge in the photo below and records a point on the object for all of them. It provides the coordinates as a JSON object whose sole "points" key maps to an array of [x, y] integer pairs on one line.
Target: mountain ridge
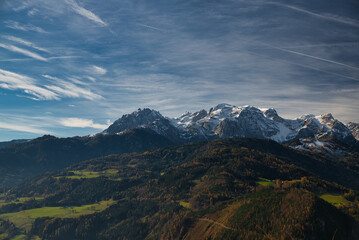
{"points": [[228, 121]]}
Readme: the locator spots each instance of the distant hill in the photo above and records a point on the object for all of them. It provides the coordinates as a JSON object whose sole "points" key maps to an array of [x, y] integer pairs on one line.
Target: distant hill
{"points": [[48, 153], [13, 142]]}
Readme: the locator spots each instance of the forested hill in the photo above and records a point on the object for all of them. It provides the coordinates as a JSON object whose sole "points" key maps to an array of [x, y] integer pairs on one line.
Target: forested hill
{"points": [[13, 142], [48, 153], [222, 189]]}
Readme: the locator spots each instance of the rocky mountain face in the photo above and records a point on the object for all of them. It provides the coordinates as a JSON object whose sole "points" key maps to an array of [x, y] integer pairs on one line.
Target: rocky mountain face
{"points": [[354, 128], [228, 121]]}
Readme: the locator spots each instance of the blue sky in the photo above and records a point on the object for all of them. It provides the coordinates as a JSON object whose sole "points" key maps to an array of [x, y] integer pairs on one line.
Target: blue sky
{"points": [[71, 67]]}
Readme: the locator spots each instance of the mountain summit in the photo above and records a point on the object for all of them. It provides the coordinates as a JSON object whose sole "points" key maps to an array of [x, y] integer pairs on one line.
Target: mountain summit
{"points": [[145, 118], [228, 121]]}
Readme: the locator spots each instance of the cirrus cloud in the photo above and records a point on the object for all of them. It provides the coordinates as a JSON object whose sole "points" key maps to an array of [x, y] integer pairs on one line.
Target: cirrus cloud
{"points": [[23, 51], [20, 128], [97, 70], [81, 123], [14, 81], [85, 13]]}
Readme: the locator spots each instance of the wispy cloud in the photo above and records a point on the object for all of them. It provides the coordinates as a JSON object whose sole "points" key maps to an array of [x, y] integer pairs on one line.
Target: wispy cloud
{"points": [[97, 70], [81, 123], [33, 12], [85, 13], [60, 89], [14, 81], [64, 57], [24, 5], [304, 66], [23, 51], [92, 79], [315, 57], [20, 128], [22, 27], [71, 90], [151, 27], [24, 42], [330, 17]]}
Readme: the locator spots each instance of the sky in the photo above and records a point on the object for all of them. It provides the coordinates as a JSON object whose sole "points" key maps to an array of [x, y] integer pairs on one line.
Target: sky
{"points": [[71, 67]]}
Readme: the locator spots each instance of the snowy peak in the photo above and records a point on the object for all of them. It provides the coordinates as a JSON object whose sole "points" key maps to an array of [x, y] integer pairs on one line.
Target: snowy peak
{"points": [[270, 113], [188, 118], [145, 118], [225, 120], [140, 118], [327, 117], [324, 127]]}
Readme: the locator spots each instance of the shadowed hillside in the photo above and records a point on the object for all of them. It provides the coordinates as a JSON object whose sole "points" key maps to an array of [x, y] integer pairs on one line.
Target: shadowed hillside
{"points": [[48, 153]]}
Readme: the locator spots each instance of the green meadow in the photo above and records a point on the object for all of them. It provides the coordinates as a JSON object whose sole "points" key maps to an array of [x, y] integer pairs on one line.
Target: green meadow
{"points": [[336, 200], [185, 204], [24, 219], [89, 174], [265, 182], [3, 236], [19, 200], [19, 237]]}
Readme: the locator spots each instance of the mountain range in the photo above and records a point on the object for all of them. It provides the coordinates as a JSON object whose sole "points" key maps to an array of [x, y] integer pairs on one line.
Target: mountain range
{"points": [[323, 132]]}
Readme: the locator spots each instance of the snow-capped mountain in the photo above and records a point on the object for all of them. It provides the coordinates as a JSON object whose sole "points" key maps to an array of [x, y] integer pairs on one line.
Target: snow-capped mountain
{"points": [[227, 121], [145, 118]]}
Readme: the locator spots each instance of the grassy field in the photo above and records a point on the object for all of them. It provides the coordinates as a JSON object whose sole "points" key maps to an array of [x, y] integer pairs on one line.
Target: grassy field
{"points": [[19, 237], [24, 219], [265, 182], [3, 236], [88, 174], [336, 200], [19, 200], [185, 204]]}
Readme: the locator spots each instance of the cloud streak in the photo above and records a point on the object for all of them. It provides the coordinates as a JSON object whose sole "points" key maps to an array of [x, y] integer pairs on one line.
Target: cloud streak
{"points": [[26, 43], [305, 66], [315, 57], [62, 89], [25, 52], [21, 27], [19, 128], [71, 90], [14, 81], [85, 13], [334, 18], [148, 26]]}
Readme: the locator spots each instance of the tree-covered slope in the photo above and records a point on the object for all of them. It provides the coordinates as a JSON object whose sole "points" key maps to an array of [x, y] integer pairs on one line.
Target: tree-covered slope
{"points": [[48, 153], [222, 189]]}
